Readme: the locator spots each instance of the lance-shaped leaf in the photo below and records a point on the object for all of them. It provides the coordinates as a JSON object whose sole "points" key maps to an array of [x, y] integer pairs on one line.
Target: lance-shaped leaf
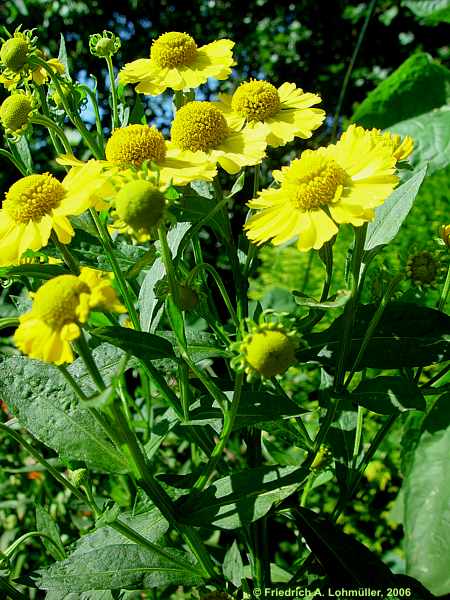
{"points": [[389, 395], [45, 404], [143, 345]]}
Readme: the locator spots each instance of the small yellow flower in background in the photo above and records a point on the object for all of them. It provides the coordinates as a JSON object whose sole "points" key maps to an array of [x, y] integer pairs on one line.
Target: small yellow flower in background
{"points": [[15, 113], [286, 111], [36, 205], [201, 127], [445, 235], [41, 76], [268, 349], [176, 62], [401, 148], [59, 307], [341, 183]]}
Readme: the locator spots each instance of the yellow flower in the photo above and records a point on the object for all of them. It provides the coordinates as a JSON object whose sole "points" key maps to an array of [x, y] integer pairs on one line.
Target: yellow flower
{"points": [[33, 207], [130, 147], [59, 307], [15, 51], [401, 148], [201, 127], [40, 75], [286, 111], [176, 62], [341, 183]]}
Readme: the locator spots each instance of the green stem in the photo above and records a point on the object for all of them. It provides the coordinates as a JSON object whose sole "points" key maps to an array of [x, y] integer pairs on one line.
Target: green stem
{"points": [[9, 552], [358, 435], [220, 285], [115, 112], [373, 325], [107, 244], [350, 69], [229, 419], [307, 488], [351, 306], [73, 384], [445, 290], [437, 376], [11, 591], [71, 262], [98, 120], [157, 494], [91, 366], [53, 127], [166, 255]]}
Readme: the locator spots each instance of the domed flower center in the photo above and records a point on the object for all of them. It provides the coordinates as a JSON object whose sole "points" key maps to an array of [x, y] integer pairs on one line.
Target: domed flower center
{"points": [[140, 204], [256, 100], [314, 181], [270, 352], [14, 112], [173, 49], [56, 301], [423, 268], [33, 197], [198, 126], [14, 53], [134, 144]]}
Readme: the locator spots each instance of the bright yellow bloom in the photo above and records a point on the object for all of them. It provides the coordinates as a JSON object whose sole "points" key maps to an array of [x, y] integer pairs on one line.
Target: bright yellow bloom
{"points": [[201, 127], [286, 111], [342, 183], [33, 207], [130, 147], [59, 307], [176, 62], [445, 234], [401, 148]]}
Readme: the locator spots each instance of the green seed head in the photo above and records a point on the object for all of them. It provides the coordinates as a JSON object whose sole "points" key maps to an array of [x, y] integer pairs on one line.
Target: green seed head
{"points": [[15, 112], [270, 352], [140, 205], [14, 53]]}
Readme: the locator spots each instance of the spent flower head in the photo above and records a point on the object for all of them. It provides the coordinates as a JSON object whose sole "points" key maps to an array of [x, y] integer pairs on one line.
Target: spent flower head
{"points": [[445, 235], [424, 268], [15, 52]]}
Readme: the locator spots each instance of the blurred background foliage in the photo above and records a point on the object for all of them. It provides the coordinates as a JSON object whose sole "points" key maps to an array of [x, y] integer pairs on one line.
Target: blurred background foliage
{"points": [[308, 42]]}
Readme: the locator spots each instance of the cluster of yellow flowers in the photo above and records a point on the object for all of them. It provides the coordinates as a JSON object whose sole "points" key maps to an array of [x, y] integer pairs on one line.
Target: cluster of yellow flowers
{"points": [[340, 183]]}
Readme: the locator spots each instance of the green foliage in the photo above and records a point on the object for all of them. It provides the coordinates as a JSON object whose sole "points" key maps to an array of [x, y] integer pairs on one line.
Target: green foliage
{"points": [[416, 87], [427, 499]]}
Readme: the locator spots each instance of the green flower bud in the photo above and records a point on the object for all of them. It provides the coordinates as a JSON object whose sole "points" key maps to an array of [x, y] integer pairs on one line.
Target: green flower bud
{"points": [[15, 113], [445, 235], [322, 460], [270, 352], [140, 205], [188, 297], [104, 45], [77, 477]]}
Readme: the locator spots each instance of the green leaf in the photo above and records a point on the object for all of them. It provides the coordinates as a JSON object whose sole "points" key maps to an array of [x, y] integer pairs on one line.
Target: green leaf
{"points": [[431, 135], [91, 595], [431, 11], [43, 271], [254, 408], [120, 566], [418, 86], [45, 524], [141, 344], [408, 335], [346, 561], [150, 524], [238, 184], [390, 215], [340, 299], [148, 302], [233, 567], [62, 55], [43, 402], [23, 149], [427, 503], [389, 395], [241, 498]]}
